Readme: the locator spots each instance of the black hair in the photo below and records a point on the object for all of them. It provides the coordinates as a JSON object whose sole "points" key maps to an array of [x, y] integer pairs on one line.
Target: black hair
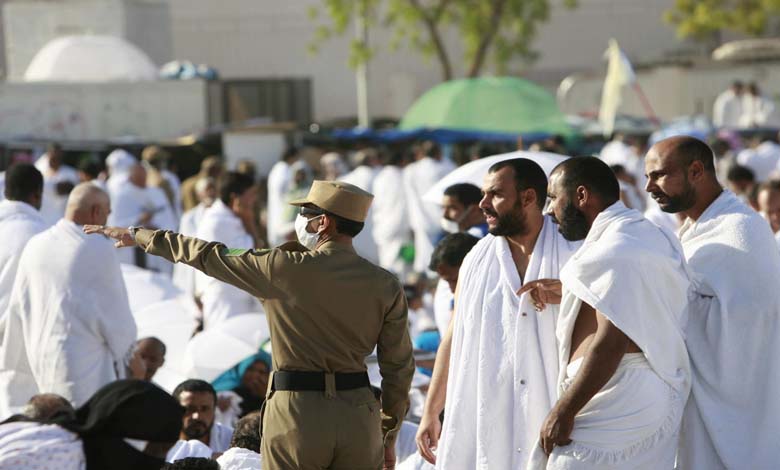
{"points": [[289, 153], [592, 173], [192, 463], [770, 185], [692, 149], [194, 386], [740, 173], [466, 193], [22, 182], [528, 175], [247, 432], [156, 341], [234, 183], [451, 250], [90, 167]]}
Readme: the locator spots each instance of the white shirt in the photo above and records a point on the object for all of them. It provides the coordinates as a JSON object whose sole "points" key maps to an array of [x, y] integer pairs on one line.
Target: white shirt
{"points": [[363, 177], [424, 216], [69, 323], [390, 217], [763, 160], [53, 204], [727, 110], [19, 221], [278, 184]]}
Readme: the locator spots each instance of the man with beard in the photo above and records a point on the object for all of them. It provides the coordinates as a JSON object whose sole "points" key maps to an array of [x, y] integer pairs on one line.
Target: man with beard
{"points": [[624, 371], [199, 400], [497, 364], [733, 329]]}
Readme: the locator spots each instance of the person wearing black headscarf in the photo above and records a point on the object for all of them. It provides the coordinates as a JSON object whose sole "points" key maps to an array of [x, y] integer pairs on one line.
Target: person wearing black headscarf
{"points": [[126, 425]]}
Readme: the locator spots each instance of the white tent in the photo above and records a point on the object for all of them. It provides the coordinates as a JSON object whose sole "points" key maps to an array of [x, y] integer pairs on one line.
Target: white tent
{"points": [[90, 59]]}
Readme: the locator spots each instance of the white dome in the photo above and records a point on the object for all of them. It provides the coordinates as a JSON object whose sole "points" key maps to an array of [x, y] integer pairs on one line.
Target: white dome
{"points": [[90, 59]]}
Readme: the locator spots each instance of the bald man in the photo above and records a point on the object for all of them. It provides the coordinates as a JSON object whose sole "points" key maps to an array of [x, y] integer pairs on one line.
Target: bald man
{"points": [[733, 333], [70, 330]]}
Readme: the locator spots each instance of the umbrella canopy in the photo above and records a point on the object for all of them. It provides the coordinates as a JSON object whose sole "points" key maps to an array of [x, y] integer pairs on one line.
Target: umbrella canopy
{"points": [[217, 349], [474, 172], [500, 104], [171, 321]]}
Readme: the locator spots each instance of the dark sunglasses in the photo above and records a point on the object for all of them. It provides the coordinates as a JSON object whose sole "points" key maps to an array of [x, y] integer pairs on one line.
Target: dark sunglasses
{"points": [[309, 212]]}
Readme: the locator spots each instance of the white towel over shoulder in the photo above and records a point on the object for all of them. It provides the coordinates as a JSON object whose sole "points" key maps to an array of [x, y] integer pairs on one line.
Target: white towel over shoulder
{"points": [[504, 363]]}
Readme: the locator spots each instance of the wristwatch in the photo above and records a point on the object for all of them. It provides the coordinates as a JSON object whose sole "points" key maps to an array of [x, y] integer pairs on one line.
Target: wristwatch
{"points": [[132, 229]]}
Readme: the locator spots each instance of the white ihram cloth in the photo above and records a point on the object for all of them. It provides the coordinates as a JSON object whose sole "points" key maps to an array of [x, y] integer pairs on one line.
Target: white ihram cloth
{"points": [[278, 185], [19, 221], [237, 458], [128, 203], [424, 216], [727, 110], [365, 246], [34, 446], [762, 161], [733, 335], [219, 441], [220, 300], [69, 328], [53, 204], [183, 275], [390, 217], [634, 273], [504, 361]]}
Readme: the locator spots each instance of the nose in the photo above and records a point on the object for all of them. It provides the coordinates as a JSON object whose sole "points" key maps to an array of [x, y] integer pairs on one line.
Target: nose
{"points": [[650, 186], [483, 203]]}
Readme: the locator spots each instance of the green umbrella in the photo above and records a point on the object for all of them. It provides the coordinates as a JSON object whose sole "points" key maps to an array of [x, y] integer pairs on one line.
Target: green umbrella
{"points": [[499, 104]]}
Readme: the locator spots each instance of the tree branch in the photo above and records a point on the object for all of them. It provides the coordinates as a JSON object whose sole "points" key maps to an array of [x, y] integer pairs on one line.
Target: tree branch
{"points": [[487, 38], [432, 25]]}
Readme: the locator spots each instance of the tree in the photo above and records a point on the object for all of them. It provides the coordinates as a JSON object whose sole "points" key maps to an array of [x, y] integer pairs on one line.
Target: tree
{"points": [[501, 30], [702, 19]]}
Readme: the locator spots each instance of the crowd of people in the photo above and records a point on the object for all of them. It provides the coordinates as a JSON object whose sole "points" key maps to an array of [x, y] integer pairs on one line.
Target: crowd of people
{"points": [[619, 312]]}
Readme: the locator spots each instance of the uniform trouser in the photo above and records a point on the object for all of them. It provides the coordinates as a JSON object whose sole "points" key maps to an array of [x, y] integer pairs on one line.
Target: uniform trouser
{"points": [[322, 430]]}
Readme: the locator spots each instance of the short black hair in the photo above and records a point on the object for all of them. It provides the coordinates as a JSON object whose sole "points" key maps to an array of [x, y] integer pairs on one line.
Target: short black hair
{"points": [[246, 435], [592, 173], [156, 341], [451, 250], [344, 226], [192, 463], [528, 175], [194, 386], [466, 193], [22, 182], [691, 149], [289, 153], [740, 173], [90, 167], [234, 183]]}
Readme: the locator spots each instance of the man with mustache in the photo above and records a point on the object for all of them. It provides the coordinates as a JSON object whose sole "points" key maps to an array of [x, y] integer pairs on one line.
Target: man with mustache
{"points": [[199, 400], [497, 364], [733, 333], [624, 371]]}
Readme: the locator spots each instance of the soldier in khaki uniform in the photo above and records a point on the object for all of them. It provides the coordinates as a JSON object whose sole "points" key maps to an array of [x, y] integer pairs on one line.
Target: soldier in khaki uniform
{"points": [[327, 309]]}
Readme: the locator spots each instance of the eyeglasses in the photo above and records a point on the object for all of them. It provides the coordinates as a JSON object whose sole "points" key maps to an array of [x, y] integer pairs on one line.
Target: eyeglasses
{"points": [[309, 212]]}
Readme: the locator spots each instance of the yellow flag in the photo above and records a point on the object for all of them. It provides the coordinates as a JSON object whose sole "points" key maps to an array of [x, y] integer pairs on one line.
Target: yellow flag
{"points": [[619, 74]]}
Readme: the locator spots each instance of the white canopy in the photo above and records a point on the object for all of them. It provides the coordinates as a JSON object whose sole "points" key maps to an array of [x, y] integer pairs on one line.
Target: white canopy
{"points": [[474, 172]]}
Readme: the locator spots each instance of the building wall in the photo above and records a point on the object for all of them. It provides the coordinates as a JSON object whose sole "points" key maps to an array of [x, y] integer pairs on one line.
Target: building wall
{"points": [[104, 111]]}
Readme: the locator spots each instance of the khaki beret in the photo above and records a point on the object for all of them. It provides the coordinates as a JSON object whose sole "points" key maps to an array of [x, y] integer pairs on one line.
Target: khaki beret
{"points": [[343, 199]]}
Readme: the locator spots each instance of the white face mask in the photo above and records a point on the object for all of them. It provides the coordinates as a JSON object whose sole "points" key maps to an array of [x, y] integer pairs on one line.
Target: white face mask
{"points": [[306, 238], [449, 226]]}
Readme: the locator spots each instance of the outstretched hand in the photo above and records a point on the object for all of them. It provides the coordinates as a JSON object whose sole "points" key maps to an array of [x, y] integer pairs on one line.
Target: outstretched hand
{"points": [[121, 235], [543, 292]]}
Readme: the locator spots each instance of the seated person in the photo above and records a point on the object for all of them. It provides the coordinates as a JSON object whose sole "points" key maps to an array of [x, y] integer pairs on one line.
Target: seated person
{"points": [[249, 380]]}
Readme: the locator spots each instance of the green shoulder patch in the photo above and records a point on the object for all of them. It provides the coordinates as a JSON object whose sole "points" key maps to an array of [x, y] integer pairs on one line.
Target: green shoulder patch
{"points": [[234, 251]]}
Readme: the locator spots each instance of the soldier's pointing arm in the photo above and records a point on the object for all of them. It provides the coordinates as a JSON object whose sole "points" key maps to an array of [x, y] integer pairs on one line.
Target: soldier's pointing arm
{"points": [[249, 270]]}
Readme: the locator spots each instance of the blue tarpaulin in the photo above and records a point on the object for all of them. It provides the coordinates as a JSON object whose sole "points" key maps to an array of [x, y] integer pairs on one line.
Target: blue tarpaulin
{"points": [[442, 136]]}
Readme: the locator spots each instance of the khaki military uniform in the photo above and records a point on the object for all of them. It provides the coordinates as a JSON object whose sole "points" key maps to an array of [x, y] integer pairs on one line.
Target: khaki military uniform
{"points": [[327, 309]]}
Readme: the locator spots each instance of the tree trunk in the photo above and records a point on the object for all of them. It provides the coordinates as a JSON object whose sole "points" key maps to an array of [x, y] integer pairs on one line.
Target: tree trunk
{"points": [[432, 25], [487, 39]]}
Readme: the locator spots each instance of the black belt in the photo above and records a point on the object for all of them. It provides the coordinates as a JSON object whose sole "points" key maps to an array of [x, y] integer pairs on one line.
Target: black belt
{"points": [[315, 381]]}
